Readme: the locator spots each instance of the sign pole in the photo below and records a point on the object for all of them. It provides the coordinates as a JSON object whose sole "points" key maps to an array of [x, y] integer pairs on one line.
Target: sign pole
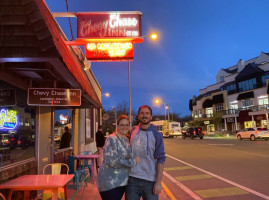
{"points": [[130, 107]]}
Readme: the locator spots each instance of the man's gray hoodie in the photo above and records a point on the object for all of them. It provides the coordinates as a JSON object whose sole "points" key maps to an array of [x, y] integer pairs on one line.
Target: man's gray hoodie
{"points": [[147, 144]]}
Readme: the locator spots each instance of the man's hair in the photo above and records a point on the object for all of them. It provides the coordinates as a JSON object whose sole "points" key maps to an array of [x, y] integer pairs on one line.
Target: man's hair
{"points": [[66, 128], [100, 126], [121, 118], [145, 106]]}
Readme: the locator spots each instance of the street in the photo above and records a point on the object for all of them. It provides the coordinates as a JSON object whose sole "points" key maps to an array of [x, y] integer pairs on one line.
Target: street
{"points": [[217, 168]]}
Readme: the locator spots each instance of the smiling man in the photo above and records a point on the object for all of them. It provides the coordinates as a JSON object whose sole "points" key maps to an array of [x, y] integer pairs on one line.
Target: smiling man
{"points": [[147, 143]]}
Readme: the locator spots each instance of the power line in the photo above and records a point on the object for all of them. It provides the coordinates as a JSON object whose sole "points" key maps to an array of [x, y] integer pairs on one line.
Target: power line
{"points": [[69, 20]]}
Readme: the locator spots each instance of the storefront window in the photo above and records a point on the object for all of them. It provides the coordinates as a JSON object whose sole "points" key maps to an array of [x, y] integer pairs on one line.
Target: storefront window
{"points": [[17, 134], [63, 118]]}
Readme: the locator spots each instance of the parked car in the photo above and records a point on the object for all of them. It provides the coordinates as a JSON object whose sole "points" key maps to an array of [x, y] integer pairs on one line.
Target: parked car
{"points": [[21, 138], [193, 133], [253, 133]]}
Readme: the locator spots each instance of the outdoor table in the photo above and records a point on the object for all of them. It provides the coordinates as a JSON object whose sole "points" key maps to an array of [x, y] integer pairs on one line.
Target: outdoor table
{"points": [[89, 157], [27, 183]]}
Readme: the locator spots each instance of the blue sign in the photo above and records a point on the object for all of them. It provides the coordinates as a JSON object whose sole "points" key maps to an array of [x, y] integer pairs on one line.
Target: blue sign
{"points": [[8, 119]]}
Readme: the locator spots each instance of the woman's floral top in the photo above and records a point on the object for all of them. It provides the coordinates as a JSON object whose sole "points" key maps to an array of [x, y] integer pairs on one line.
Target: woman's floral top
{"points": [[118, 159]]}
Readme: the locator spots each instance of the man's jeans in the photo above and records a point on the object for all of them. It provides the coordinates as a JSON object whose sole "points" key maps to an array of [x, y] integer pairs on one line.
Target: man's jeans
{"points": [[137, 188]]}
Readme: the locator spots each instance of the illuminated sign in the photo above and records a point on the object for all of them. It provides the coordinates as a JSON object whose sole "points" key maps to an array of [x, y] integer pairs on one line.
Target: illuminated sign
{"points": [[63, 119], [109, 25], [8, 119], [54, 97], [107, 51]]}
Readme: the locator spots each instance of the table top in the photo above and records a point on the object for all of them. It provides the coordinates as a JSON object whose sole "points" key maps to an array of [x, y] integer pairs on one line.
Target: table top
{"points": [[87, 156], [36, 182]]}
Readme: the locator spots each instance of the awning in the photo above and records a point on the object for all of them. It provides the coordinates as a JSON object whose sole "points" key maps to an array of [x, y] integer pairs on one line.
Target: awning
{"points": [[217, 99], [259, 117], [243, 116], [246, 95], [207, 103]]}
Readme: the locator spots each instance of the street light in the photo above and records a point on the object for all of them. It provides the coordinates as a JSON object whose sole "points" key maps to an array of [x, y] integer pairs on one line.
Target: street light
{"points": [[153, 36], [158, 102], [107, 94]]}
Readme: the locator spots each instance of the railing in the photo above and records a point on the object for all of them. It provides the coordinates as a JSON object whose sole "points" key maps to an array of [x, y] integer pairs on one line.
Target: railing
{"points": [[236, 111]]}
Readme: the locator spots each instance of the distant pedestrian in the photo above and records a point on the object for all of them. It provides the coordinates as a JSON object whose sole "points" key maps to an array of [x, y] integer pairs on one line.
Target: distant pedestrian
{"points": [[65, 139], [147, 143], [114, 172], [100, 143]]}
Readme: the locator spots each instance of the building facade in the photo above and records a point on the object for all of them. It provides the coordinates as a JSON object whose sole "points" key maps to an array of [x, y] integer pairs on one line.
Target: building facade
{"points": [[239, 98], [34, 54]]}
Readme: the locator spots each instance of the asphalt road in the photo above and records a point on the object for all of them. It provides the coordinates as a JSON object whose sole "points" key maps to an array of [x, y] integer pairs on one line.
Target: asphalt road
{"points": [[217, 168]]}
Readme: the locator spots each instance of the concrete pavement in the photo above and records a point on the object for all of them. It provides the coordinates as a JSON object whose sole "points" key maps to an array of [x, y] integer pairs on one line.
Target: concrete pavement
{"points": [[91, 193]]}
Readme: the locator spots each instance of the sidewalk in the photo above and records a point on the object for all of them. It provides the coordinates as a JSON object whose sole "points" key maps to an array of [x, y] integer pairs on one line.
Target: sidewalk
{"points": [[91, 193]]}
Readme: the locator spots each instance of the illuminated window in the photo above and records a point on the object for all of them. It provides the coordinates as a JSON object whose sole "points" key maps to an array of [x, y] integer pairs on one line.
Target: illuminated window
{"points": [[200, 113], [219, 107], [247, 103], [262, 101], [209, 112]]}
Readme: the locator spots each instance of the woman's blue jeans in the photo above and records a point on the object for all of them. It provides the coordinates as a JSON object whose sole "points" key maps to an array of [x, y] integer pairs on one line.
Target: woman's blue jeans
{"points": [[137, 188]]}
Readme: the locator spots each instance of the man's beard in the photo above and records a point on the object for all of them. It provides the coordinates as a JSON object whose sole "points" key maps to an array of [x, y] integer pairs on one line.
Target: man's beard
{"points": [[145, 122]]}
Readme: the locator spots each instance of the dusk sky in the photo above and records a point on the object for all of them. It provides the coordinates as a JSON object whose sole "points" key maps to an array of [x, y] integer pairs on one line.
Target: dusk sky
{"points": [[197, 38]]}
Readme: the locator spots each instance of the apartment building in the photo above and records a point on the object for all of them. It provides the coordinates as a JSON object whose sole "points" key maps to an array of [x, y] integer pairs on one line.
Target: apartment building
{"points": [[239, 96]]}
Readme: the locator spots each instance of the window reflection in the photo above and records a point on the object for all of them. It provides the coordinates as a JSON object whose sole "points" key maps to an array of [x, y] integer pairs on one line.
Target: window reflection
{"points": [[62, 118], [17, 134]]}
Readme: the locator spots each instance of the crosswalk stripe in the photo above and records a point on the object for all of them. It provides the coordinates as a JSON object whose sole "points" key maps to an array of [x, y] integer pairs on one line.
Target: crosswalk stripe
{"points": [[177, 168], [220, 192], [193, 177]]}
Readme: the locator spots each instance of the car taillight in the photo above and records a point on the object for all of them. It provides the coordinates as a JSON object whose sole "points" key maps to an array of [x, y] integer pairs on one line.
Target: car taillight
{"points": [[12, 139], [19, 142], [194, 132]]}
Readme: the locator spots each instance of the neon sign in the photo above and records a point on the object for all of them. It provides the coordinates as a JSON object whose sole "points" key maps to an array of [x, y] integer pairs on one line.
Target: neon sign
{"points": [[116, 21], [63, 119], [109, 51], [8, 119], [109, 24]]}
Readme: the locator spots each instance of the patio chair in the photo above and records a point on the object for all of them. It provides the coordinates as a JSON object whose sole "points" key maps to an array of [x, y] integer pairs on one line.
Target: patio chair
{"points": [[86, 162], [77, 172], [55, 168], [2, 197], [83, 181]]}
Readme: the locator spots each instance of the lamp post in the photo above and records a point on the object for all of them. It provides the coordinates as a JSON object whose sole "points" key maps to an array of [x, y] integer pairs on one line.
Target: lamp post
{"points": [[153, 36], [157, 101], [129, 80]]}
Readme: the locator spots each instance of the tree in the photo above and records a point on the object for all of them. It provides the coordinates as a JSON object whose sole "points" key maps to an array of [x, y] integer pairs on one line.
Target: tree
{"points": [[122, 108], [217, 119]]}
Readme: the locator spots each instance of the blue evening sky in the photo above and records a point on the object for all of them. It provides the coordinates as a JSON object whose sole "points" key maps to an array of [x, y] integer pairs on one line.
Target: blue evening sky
{"points": [[197, 38]]}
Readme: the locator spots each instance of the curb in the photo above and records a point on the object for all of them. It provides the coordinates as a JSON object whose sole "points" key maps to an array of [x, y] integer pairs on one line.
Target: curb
{"points": [[168, 192]]}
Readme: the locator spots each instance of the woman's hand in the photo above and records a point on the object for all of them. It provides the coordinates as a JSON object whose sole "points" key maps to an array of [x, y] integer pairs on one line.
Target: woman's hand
{"points": [[138, 160]]}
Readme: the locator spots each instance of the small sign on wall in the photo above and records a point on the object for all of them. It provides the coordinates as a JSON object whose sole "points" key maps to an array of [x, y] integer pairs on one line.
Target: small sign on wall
{"points": [[54, 97]]}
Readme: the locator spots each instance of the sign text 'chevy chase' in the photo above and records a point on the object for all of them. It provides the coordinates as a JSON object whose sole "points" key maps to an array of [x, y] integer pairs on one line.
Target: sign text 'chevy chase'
{"points": [[109, 24], [54, 97]]}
